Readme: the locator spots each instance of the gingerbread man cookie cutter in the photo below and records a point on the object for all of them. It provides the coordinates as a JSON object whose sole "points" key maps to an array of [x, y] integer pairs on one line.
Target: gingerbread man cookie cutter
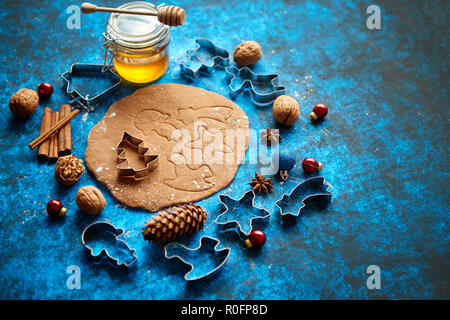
{"points": [[193, 65], [125, 170], [263, 88], [104, 229]]}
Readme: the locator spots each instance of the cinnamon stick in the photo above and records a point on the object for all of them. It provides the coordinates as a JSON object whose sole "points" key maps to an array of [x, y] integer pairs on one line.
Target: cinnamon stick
{"points": [[67, 131], [50, 140], [61, 133], [53, 154], [43, 137], [46, 122]]}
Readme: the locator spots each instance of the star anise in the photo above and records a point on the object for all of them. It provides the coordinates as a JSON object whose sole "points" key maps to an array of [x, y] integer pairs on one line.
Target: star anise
{"points": [[261, 184], [271, 137]]}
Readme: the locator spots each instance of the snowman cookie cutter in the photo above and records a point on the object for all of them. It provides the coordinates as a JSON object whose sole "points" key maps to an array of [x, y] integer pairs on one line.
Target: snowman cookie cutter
{"points": [[100, 231]]}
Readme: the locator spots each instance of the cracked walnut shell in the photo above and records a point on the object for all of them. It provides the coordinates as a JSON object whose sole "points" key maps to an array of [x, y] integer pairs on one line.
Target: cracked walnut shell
{"points": [[24, 103], [90, 200], [247, 53], [68, 170]]}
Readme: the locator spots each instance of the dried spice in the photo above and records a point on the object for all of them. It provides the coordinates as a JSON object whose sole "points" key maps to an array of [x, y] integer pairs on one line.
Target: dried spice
{"points": [[261, 184], [271, 137]]}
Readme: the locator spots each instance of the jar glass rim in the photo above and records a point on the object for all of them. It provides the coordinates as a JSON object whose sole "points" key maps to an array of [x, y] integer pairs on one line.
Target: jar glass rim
{"points": [[137, 31]]}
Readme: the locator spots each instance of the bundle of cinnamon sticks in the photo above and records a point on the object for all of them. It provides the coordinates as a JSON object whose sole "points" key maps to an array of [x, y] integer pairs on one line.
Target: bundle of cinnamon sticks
{"points": [[60, 142]]}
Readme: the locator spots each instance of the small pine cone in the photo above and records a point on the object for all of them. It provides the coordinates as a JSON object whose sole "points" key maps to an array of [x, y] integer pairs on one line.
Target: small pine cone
{"points": [[175, 223]]}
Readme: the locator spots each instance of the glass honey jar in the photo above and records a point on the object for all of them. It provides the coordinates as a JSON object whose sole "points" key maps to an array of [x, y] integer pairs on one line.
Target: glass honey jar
{"points": [[138, 43]]}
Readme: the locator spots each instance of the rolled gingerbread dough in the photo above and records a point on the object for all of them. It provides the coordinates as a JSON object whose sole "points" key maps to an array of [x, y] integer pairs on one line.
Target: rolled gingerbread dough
{"points": [[200, 136]]}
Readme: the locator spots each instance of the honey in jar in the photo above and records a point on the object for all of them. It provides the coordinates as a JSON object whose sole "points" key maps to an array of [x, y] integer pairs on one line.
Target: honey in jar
{"points": [[139, 43]]}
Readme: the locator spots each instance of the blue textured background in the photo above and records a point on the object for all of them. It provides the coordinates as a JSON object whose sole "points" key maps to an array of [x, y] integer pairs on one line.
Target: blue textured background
{"points": [[384, 147]]}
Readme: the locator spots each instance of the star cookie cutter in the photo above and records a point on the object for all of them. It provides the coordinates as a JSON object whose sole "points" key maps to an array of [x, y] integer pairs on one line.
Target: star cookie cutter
{"points": [[103, 230], [238, 209], [263, 88], [312, 190], [125, 171], [84, 83], [195, 63], [187, 255]]}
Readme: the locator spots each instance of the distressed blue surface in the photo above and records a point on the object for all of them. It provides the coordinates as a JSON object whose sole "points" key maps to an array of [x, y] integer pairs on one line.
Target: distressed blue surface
{"points": [[384, 147]]}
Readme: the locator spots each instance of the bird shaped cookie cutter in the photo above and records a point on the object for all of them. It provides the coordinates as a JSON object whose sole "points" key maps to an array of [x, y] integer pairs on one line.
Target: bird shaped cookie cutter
{"points": [[125, 170], [263, 88], [103, 229], [193, 65], [312, 190], [236, 210], [186, 255]]}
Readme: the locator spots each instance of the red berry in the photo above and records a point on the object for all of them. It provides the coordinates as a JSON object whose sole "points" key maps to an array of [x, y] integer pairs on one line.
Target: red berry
{"points": [[45, 90], [319, 111], [257, 238], [311, 165], [55, 208]]}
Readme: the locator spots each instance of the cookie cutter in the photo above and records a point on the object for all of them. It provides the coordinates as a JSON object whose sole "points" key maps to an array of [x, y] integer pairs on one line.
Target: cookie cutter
{"points": [[96, 229], [312, 190], [125, 171], [263, 88], [238, 208], [206, 244], [218, 58], [89, 91]]}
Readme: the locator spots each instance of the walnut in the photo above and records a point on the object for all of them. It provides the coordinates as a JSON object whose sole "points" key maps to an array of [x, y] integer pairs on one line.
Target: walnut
{"points": [[247, 53], [69, 170], [285, 110], [24, 103], [90, 200]]}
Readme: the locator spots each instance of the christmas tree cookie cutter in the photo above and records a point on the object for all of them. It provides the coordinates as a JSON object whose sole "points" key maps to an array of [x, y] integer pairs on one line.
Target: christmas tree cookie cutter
{"points": [[111, 247], [263, 88], [312, 190], [125, 170], [190, 256], [88, 82], [204, 59], [236, 214]]}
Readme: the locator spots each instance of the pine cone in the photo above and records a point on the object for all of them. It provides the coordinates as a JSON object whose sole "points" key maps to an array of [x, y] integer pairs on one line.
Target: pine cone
{"points": [[175, 223], [260, 183]]}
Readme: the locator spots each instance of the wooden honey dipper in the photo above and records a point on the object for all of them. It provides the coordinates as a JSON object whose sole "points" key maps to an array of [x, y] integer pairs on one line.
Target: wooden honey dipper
{"points": [[171, 15]]}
